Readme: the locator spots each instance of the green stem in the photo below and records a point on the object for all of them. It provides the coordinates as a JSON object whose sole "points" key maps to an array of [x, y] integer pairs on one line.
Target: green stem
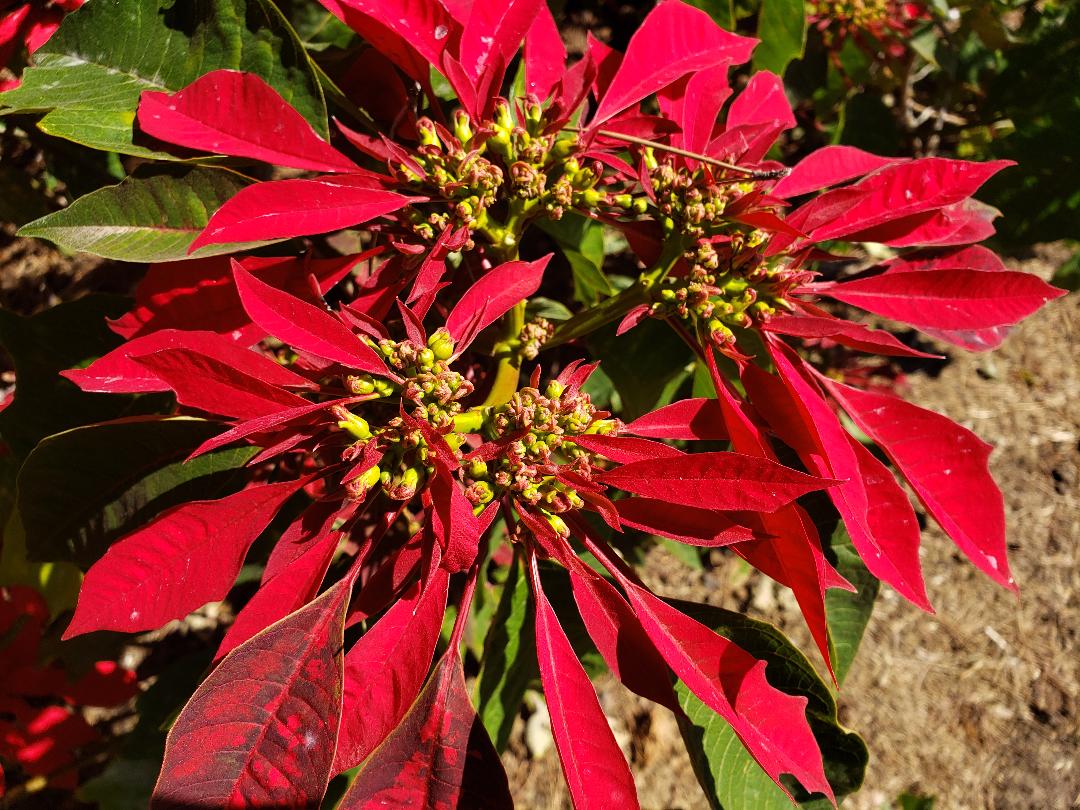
{"points": [[617, 306], [508, 371]]}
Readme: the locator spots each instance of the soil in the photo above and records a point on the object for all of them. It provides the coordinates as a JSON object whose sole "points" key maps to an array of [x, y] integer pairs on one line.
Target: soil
{"points": [[975, 706]]}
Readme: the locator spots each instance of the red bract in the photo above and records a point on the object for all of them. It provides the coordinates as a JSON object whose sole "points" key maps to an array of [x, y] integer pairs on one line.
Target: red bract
{"points": [[25, 27], [402, 417]]}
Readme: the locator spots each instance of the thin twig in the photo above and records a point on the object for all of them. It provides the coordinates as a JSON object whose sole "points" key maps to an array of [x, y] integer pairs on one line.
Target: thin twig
{"points": [[753, 174]]}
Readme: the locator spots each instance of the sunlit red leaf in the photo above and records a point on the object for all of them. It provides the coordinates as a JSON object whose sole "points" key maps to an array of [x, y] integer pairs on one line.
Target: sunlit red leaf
{"points": [[698, 418], [715, 481], [493, 296], [260, 730], [847, 333], [187, 557], [946, 465], [687, 524], [385, 669], [280, 209], [438, 756], [231, 113], [826, 167], [592, 762], [303, 326]]}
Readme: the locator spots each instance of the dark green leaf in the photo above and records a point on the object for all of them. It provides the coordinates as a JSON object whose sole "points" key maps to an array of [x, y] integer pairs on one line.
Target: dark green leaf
{"points": [[848, 613], [782, 31], [148, 218], [62, 337], [582, 242], [82, 489], [723, 11], [509, 662], [125, 784], [88, 77], [1068, 275], [727, 773], [642, 363]]}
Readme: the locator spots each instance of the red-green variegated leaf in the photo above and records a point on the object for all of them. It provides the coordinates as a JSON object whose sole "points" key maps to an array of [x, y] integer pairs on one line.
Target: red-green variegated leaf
{"points": [[715, 481], [303, 326], [385, 669], [281, 209], [260, 730], [946, 465], [594, 766], [232, 113], [438, 756], [947, 299], [187, 557]]}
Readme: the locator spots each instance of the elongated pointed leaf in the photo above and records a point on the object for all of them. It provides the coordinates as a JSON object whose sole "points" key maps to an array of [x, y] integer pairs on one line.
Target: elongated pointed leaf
{"points": [[82, 489], [494, 32], [385, 669], [687, 524], [875, 509], [771, 724], [848, 613], [119, 372], [209, 384], [302, 325], [291, 589], [152, 218], [946, 465], [948, 299], [545, 55], [439, 756], [698, 418], [674, 40], [493, 296], [627, 449], [184, 559], [280, 209], [826, 167], [715, 481], [200, 294], [261, 729], [846, 333], [595, 768], [231, 113]]}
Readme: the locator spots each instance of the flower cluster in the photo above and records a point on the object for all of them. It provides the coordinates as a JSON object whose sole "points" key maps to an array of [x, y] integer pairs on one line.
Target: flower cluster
{"points": [[402, 426]]}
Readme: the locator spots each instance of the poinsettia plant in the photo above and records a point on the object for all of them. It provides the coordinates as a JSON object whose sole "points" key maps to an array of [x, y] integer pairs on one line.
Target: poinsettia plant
{"points": [[421, 425]]}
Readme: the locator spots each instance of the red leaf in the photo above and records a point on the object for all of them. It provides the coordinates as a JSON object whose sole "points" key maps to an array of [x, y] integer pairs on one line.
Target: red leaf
{"points": [[762, 101], [545, 55], [619, 637], [699, 418], [187, 557], [210, 385], [706, 92], [199, 294], [771, 724], [876, 513], [493, 296], [946, 465], [385, 670], [106, 684], [439, 755], [121, 372], [292, 588], [260, 730], [675, 39], [957, 224], [698, 527], [595, 768], [846, 333], [971, 257], [947, 299], [826, 167], [715, 481], [303, 326], [425, 25], [263, 424], [892, 192], [280, 209], [231, 113], [626, 449], [494, 32]]}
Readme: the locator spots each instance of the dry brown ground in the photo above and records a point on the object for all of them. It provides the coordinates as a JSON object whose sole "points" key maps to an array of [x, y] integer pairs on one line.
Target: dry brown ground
{"points": [[976, 706]]}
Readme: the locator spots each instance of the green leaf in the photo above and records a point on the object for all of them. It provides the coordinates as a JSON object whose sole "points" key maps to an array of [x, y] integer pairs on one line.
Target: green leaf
{"points": [[582, 242], [88, 77], [782, 31], [727, 773], [509, 662], [82, 489], [1068, 275], [848, 613], [65, 336], [149, 218], [723, 11], [125, 784], [58, 582], [643, 363]]}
